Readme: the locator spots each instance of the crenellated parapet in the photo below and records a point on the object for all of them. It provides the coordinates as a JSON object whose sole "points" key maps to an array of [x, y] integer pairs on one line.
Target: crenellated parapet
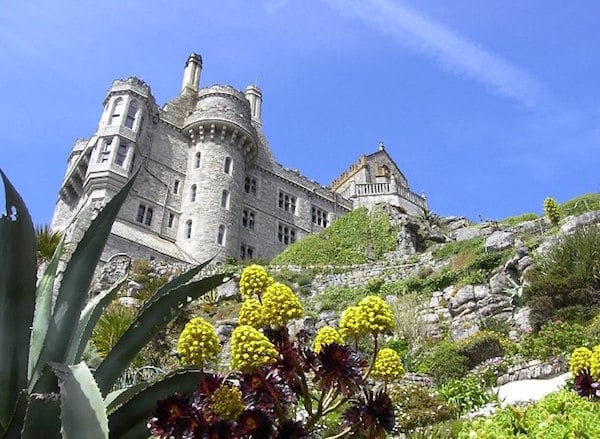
{"points": [[223, 115], [352, 170]]}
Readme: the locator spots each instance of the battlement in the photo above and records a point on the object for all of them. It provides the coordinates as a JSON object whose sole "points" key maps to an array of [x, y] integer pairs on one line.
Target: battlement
{"points": [[352, 170]]}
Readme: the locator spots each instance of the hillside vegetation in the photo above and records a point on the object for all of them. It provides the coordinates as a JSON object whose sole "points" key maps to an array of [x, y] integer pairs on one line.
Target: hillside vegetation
{"points": [[356, 238]]}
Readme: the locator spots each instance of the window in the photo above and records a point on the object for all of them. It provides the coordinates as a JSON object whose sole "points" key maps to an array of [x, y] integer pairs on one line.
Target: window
{"points": [[248, 219], [131, 113], [227, 166], [246, 252], [116, 112], [197, 158], [121, 154], [319, 217], [144, 215], [171, 220], [225, 199], [148, 220], [188, 229], [286, 234], [287, 202], [250, 185], [176, 187], [193, 193], [221, 235], [105, 150]]}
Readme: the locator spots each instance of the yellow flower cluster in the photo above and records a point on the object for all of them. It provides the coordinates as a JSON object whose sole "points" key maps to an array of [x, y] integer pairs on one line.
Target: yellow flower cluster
{"points": [[251, 313], [375, 315], [280, 305], [254, 281], [251, 350], [326, 336], [388, 365], [227, 403], [580, 360], [198, 344], [350, 323], [595, 363]]}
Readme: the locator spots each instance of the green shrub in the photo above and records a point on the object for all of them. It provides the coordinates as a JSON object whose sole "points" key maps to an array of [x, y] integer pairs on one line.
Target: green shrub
{"points": [[338, 298], [355, 238], [563, 414], [466, 394], [553, 339], [468, 249], [418, 406], [443, 362], [480, 347], [566, 276]]}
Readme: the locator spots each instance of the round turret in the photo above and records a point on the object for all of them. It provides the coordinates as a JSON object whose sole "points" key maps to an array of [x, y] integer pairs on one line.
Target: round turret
{"points": [[223, 143]]}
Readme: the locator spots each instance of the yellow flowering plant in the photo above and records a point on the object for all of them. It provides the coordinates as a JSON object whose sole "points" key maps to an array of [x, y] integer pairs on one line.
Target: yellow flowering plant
{"points": [[272, 371], [198, 343]]}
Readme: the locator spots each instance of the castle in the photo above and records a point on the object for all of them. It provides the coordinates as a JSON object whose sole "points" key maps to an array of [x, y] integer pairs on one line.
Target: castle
{"points": [[209, 184]]}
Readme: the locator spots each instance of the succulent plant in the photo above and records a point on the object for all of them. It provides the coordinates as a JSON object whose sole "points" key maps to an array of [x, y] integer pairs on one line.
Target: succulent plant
{"points": [[44, 384]]}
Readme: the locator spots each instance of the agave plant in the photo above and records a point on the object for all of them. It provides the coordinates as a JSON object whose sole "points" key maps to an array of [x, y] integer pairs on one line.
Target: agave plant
{"points": [[44, 384]]}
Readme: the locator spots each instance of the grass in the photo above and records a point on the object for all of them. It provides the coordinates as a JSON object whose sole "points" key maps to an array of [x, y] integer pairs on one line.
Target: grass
{"points": [[581, 204], [355, 238]]}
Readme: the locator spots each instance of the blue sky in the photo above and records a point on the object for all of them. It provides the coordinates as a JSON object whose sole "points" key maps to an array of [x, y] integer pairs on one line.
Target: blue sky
{"points": [[487, 106]]}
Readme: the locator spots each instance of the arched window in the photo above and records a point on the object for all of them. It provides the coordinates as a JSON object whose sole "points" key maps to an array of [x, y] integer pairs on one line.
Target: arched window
{"points": [[227, 166], [121, 154], [197, 160], [221, 235], [131, 114], [225, 199], [149, 212], [117, 111], [188, 229], [193, 193]]}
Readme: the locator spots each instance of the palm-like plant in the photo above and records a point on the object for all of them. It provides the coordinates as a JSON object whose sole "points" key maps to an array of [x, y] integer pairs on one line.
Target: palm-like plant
{"points": [[47, 242], [44, 385]]}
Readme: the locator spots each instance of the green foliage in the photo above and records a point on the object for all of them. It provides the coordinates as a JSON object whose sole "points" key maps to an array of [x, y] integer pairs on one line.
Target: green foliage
{"points": [[467, 249], [338, 298], [355, 238], [418, 406], [47, 242], [582, 204], [567, 276], [554, 338], [42, 340], [443, 362], [518, 219], [112, 325], [552, 211], [466, 394], [480, 347], [559, 415]]}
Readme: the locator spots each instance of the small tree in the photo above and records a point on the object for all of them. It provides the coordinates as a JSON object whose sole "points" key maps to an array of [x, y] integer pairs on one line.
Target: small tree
{"points": [[552, 211]]}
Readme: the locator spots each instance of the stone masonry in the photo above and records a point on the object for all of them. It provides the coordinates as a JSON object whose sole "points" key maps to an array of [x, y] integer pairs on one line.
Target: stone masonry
{"points": [[208, 183]]}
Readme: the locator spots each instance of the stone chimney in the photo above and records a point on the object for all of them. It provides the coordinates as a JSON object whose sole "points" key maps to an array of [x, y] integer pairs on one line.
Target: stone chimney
{"points": [[254, 96], [191, 73]]}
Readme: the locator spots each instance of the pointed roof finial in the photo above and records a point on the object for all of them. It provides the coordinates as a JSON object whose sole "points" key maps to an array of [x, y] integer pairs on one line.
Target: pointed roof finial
{"points": [[381, 145]]}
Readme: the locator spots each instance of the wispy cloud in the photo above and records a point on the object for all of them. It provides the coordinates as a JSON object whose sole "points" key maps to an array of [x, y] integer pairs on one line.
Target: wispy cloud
{"points": [[452, 51]]}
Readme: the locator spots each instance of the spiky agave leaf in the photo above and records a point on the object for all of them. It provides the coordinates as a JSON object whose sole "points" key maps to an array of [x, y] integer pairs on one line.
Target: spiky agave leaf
{"points": [[18, 265], [129, 420], [81, 404], [73, 291], [146, 325]]}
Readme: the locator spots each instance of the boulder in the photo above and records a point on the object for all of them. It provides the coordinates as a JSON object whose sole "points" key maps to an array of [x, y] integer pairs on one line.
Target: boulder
{"points": [[587, 218], [498, 241]]}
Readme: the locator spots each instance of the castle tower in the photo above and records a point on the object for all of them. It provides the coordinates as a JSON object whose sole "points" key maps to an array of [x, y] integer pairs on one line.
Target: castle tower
{"points": [[100, 166], [222, 145]]}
